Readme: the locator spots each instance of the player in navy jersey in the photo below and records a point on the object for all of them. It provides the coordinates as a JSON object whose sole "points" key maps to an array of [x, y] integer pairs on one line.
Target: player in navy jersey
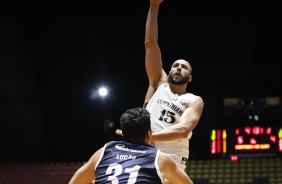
{"points": [[132, 160], [174, 111]]}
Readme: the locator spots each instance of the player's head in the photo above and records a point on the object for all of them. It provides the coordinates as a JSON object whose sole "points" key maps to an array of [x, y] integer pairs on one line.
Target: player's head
{"points": [[135, 124], [180, 72]]}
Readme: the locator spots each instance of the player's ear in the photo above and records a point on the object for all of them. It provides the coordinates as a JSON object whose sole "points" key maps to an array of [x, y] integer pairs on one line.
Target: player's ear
{"points": [[190, 78], [149, 136]]}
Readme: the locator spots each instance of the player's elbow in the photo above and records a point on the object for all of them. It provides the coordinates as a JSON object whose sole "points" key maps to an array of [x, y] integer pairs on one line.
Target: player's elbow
{"points": [[184, 132], [185, 135], [149, 44]]}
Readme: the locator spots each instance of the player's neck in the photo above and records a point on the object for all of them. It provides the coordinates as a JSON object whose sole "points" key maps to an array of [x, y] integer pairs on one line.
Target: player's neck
{"points": [[178, 89], [134, 140]]}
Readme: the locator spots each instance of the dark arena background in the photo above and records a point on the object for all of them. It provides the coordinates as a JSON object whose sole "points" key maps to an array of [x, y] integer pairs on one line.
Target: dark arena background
{"points": [[55, 55]]}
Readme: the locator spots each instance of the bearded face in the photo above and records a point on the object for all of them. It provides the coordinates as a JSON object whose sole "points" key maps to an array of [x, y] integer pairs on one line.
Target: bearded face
{"points": [[177, 79]]}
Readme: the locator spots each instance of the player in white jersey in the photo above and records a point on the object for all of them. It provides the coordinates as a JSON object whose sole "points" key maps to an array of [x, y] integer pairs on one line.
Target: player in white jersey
{"points": [[166, 109], [174, 111]]}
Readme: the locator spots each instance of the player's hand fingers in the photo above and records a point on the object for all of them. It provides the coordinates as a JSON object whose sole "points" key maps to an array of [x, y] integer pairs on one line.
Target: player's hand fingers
{"points": [[118, 132]]}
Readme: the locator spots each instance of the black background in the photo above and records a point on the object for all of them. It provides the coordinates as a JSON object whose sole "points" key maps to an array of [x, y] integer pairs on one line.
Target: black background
{"points": [[54, 54]]}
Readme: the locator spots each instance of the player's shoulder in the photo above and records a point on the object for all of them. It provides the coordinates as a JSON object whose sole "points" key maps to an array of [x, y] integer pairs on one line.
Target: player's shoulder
{"points": [[195, 99], [194, 96], [163, 84]]}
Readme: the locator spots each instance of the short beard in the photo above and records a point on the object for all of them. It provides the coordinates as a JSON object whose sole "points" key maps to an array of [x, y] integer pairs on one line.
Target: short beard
{"points": [[181, 82]]}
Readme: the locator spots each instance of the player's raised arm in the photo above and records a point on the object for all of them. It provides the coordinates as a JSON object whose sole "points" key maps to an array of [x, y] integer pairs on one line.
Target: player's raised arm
{"points": [[153, 59]]}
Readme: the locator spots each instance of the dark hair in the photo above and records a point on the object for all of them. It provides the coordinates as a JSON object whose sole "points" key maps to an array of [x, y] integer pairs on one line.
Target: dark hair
{"points": [[135, 123]]}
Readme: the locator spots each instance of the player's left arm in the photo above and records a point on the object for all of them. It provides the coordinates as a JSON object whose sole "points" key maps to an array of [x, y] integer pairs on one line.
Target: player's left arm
{"points": [[187, 122], [86, 173]]}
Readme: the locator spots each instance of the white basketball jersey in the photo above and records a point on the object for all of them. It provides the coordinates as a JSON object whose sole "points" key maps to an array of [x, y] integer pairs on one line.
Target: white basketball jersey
{"points": [[166, 108]]}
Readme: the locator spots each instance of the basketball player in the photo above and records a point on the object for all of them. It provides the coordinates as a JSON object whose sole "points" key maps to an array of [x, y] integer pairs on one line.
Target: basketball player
{"points": [[174, 111], [131, 160]]}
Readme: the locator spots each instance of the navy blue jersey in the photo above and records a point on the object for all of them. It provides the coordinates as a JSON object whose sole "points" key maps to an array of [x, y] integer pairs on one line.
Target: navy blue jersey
{"points": [[124, 162]]}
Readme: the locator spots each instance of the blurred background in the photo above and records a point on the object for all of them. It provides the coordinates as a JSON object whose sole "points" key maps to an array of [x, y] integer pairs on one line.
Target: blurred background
{"points": [[55, 55]]}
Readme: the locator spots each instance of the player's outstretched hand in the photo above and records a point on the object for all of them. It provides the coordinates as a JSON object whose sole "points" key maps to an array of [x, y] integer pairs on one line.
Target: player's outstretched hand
{"points": [[118, 132]]}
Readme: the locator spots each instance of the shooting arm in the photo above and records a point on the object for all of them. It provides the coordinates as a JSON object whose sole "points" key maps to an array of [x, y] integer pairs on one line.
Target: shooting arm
{"points": [[153, 59]]}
